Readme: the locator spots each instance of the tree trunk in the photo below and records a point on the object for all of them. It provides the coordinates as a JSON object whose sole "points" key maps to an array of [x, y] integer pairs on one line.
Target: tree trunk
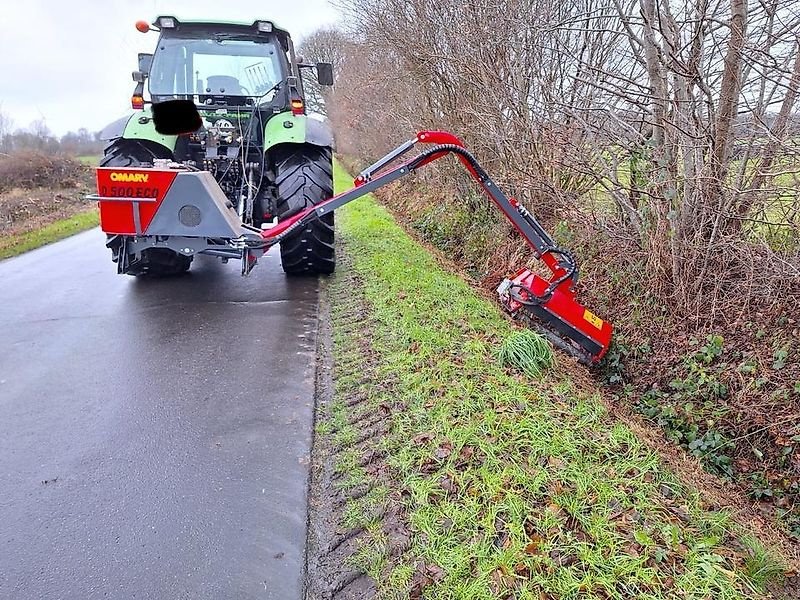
{"points": [[730, 89]]}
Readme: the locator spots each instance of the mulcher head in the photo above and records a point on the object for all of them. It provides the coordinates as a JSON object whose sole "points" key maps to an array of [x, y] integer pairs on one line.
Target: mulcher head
{"points": [[557, 315]]}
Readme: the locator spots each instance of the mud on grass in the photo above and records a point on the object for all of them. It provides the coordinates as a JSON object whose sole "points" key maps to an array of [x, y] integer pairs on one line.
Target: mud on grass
{"points": [[509, 487], [354, 525]]}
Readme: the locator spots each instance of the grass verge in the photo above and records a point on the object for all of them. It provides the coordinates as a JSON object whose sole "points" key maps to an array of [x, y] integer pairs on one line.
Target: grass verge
{"points": [[17, 243], [511, 486]]}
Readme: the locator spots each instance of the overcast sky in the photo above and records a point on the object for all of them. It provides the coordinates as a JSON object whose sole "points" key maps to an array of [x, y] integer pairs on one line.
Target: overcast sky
{"points": [[70, 61]]}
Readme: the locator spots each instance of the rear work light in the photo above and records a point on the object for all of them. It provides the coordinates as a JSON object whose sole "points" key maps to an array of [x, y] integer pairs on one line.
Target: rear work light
{"points": [[166, 22], [264, 26]]}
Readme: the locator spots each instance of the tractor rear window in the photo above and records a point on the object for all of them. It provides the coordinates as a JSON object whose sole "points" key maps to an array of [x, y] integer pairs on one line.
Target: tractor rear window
{"points": [[215, 65]]}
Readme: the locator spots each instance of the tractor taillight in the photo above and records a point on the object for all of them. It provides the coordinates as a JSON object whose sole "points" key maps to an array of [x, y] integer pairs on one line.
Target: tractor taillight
{"points": [[297, 107], [137, 102]]}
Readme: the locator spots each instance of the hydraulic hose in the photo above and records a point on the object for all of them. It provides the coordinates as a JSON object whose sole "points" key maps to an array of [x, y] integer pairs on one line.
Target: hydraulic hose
{"points": [[482, 176]]}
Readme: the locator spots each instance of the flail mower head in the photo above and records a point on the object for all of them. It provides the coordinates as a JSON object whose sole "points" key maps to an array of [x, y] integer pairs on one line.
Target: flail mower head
{"points": [[557, 315]]}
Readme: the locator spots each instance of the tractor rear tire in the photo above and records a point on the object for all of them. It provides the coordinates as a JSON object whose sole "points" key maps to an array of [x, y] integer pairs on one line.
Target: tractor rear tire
{"points": [[304, 178], [154, 262]]}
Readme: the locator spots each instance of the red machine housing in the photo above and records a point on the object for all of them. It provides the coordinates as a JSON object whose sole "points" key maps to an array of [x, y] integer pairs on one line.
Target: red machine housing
{"points": [[129, 197], [565, 316]]}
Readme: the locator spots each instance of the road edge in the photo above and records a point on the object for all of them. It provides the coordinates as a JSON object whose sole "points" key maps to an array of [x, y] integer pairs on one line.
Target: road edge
{"points": [[19, 243]]}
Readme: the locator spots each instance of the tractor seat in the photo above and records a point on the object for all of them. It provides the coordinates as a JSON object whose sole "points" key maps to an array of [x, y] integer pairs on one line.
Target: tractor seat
{"points": [[223, 85]]}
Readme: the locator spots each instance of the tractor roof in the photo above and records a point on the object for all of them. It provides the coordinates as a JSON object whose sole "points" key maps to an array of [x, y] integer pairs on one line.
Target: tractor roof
{"points": [[279, 31]]}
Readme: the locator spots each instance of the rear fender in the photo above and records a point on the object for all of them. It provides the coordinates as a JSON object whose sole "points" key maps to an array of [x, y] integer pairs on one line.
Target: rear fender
{"points": [[286, 128], [138, 126], [114, 130]]}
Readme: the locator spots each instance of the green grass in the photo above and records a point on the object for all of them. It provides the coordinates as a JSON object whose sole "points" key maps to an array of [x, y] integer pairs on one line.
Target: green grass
{"points": [[778, 208], [12, 245], [89, 159], [512, 485], [527, 351]]}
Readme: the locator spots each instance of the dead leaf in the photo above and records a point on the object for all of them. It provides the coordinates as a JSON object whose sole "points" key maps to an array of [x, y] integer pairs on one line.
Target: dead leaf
{"points": [[444, 450], [466, 452], [435, 572], [555, 462], [562, 560], [535, 543], [422, 438], [448, 485], [632, 550], [423, 577], [522, 570]]}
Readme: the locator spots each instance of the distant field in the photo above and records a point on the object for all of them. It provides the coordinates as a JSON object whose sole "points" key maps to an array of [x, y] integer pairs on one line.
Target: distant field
{"points": [[773, 220], [89, 159]]}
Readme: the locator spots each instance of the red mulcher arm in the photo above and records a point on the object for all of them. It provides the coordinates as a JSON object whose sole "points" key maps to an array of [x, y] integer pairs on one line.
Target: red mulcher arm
{"points": [[548, 303]]}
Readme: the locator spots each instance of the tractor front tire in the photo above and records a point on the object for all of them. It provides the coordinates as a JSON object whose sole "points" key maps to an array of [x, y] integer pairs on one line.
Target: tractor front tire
{"points": [[304, 178], [154, 262]]}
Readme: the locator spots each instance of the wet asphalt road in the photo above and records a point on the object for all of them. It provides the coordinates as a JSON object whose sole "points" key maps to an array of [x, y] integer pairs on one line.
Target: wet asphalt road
{"points": [[154, 435]]}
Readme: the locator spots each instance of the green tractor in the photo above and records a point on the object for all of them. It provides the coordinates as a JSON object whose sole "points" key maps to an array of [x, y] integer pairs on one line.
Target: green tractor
{"points": [[270, 158]]}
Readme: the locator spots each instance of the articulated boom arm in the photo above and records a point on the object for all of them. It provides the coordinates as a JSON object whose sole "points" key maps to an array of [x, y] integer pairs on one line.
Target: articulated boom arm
{"points": [[548, 305], [560, 262]]}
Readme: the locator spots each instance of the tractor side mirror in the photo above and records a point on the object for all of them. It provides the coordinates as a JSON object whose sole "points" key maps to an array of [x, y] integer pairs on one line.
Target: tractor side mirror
{"points": [[145, 61], [325, 73]]}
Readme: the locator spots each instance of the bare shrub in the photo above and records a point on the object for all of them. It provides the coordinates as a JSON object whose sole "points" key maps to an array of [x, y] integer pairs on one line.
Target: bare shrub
{"points": [[670, 128], [30, 169]]}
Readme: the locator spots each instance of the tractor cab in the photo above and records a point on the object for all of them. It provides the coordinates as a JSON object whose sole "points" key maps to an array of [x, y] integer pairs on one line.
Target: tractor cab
{"points": [[221, 65]]}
